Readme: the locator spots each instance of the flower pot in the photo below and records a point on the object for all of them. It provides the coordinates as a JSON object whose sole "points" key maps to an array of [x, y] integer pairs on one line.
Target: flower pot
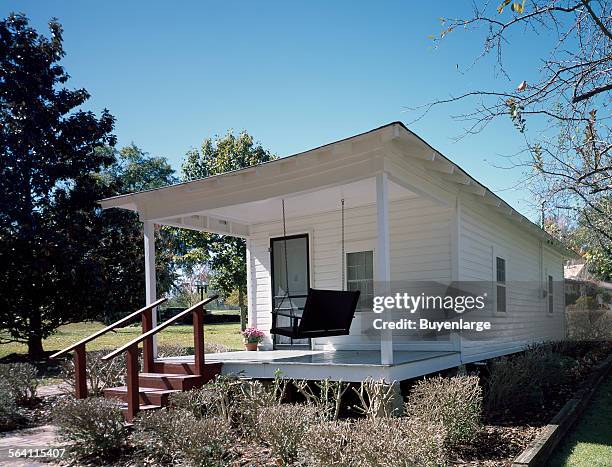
{"points": [[250, 345]]}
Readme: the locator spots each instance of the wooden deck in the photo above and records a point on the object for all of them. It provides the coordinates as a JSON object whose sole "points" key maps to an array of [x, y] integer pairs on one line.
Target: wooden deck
{"points": [[343, 365]]}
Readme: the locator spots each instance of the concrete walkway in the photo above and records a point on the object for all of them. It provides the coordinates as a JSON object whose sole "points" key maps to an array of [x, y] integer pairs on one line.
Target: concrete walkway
{"points": [[35, 441]]}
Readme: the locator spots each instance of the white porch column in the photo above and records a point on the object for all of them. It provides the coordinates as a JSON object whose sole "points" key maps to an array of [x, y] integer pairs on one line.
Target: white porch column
{"points": [[383, 269], [150, 279], [251, 309]]}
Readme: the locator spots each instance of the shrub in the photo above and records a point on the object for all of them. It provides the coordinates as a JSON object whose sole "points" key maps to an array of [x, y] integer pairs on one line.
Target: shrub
{"points": [[212, 347], [94, 428], [455, 403], [373, 442], [524, 380], [396, 441], [283, 427], [236, 400], [327, 444], [589, 324], [325, 396], [22, 381], [172, 350], [377, 399], [171, 437], [100, 374], [10, 417], [201, 402], [586, 302]]}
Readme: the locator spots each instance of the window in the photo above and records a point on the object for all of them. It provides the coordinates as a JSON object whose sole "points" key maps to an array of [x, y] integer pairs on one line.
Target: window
{"points": [[551, 302], [500, 275], [360, 276]]}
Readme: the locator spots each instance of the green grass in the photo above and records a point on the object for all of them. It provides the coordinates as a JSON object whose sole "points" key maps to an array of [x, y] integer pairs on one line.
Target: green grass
{"points": [[590, 442], [227, 334]]}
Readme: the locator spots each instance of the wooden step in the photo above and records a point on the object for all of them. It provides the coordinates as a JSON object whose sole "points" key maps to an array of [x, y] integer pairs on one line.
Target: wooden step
{"points": [[210, 369], [147, 396], [169, 381]]}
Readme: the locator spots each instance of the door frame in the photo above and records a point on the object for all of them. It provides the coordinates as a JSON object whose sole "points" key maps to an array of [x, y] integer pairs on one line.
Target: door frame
{"points": [[271, 249]]}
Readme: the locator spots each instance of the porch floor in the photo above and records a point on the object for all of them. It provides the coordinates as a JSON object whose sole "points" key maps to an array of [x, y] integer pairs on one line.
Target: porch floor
{"points": [[345, 365]]}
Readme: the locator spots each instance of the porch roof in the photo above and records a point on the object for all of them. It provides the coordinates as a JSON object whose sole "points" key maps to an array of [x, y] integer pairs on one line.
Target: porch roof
{"points": [[203, 204]]}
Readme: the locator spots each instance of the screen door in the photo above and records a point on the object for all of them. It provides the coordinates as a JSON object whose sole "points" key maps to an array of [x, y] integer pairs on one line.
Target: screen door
{"points": [[294, 276]]}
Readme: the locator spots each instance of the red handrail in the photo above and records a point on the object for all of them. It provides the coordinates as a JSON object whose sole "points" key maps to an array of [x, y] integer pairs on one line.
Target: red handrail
{"points": [[79, 347], [131, 349]]}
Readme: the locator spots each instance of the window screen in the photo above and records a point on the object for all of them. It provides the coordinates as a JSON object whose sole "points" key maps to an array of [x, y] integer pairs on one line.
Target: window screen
{"points": [[501, 269], [360, 276], [500, 272], [551, 303]]}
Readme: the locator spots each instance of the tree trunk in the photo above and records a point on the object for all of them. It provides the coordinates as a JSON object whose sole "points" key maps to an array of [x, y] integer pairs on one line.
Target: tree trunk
{"points": [[35, 346], [243, 309]]}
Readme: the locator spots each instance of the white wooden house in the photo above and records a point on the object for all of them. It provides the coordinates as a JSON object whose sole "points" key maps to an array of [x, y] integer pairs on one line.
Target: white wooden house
{"points": [[410, 214]]}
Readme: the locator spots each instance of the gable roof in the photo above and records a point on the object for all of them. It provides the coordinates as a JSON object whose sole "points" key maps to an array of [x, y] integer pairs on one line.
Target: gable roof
{"points": [[131, 201]]}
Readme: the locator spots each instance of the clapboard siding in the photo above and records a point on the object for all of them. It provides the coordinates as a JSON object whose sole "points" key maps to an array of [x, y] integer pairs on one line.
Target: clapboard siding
{"points": [[486, 234], [420, 247]]}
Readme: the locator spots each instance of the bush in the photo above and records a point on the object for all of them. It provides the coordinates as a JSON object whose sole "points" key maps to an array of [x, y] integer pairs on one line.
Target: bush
{"points": [[397, 441], [236, 400], [100, 374], [327, 444], [325, 395], [373, 442], [171, 437], [586, 302], [523, 381], [589, 324], [10, 417], [94, 428], [283, 428], [22, 380], [212, 347], [377, 399], [172, 350], [455, 403], [201, 402]]}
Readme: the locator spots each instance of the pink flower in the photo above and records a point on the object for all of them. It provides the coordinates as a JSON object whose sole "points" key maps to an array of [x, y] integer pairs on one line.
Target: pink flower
{"points": [[252, 335]]}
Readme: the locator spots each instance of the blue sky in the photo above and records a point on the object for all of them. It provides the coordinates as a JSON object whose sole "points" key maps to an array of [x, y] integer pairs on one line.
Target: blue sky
{"points": [[293, 74]]}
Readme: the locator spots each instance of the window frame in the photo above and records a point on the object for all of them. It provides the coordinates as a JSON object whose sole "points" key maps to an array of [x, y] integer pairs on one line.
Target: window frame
{"points": [[550, 296], [358, 246], [497, 284], [346, 276]]}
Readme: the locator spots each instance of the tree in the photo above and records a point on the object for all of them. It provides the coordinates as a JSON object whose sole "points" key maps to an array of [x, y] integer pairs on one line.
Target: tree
{"points": [[48, 186], [562, 109], [578, 236], [119, 251], [136, 170], [225, 255]]}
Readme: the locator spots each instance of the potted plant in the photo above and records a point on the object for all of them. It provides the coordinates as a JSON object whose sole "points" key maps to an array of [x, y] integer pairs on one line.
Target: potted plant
{"points": [[252, 337]]}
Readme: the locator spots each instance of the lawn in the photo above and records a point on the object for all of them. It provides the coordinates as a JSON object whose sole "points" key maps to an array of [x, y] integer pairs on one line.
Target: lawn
{"points": [[227, 334], [590, 443]]}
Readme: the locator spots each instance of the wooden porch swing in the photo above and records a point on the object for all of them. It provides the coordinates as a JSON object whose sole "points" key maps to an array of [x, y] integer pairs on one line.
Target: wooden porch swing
{"points": [[326, 313]]}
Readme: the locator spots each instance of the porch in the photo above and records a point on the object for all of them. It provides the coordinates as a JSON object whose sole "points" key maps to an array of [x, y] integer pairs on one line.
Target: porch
{"points": [[336, 365]]}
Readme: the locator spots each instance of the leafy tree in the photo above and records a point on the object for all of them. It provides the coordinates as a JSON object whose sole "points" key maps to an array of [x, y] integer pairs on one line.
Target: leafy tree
{"points": [[562, 108], [225, 255], [119, 251], [48, 187], [136, 170], [579, 236]]}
